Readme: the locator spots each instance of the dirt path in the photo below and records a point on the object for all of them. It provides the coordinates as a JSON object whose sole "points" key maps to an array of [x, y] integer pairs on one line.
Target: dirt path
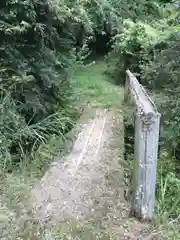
{"points": [[72, 188], [81, 196], [88, 184]]}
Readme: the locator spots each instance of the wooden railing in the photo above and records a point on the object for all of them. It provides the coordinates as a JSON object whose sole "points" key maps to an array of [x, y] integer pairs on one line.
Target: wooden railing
{"points": [[147, 121]]}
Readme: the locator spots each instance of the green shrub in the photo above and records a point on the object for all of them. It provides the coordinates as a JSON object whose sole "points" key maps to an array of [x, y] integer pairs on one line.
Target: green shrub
{"points": [[18, 138], [168, 186], [40, 43], [36, 54], [132, 45], [152, 53], [163, 75]]}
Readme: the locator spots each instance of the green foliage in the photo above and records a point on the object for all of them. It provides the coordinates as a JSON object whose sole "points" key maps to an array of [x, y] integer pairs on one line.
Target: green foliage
{"points": [[168, 186], [93, 87], [139, 9], [151, 51], [150, 48], [131, 45], [36, 51], [163, 74], [18, 138], [139, 37], [40, 43]]}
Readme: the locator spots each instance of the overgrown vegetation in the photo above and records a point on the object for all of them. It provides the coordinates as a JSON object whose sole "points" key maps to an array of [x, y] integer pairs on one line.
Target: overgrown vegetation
{"points": [[41, 44], [34, 80], [150, 48], [94, 89]]}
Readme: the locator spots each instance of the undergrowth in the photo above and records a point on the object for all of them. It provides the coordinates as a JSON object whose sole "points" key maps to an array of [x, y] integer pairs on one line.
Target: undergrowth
{"points": [[93, 88], [40, 44], [150, 49]]}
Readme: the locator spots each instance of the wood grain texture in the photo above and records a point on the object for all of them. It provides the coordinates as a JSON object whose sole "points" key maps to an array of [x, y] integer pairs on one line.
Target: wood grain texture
{"points": [[147, 121]]}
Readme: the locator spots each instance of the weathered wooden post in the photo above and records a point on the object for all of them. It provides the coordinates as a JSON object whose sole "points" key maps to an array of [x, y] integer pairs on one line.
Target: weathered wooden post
{"points": [[147, 121]]}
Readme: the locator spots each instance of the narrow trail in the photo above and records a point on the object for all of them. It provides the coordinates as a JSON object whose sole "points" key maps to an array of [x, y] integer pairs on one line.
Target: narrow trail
{"points": [[72, 188], [84, 191], [89, 184]]}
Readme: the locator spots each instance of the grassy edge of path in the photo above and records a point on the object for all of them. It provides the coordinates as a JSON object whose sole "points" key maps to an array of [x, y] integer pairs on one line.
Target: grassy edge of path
{"points": [[92, 88]]}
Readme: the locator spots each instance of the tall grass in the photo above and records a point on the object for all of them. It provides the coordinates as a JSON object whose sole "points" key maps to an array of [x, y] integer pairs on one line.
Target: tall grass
{"points": [[168, 189], [19, 140], [93, 86], [49, 138]]}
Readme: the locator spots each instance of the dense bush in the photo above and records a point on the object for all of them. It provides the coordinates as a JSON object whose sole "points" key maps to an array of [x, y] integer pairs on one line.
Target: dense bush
{"points": [[168, 185], [131, 46], [40, 42], [151, 50], [163, 74], [139, 36], [33, 72]]}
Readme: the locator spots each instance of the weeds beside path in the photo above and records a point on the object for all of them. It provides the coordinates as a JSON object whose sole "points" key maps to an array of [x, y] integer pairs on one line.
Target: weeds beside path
{"points": [[95, 89], [81, 198], [92, 89]]}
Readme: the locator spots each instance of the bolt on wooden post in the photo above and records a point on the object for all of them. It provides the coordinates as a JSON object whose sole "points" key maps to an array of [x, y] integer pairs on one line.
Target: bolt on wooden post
{"points": [[147, 121]]}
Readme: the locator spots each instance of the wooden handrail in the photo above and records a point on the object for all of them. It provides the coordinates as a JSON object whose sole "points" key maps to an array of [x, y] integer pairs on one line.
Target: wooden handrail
{"points": [[147, 121]]}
